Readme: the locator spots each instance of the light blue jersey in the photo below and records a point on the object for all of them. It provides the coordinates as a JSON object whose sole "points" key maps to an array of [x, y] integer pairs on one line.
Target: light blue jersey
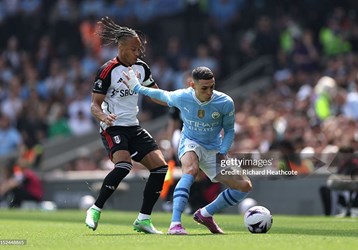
{"points": [[202, 122]]}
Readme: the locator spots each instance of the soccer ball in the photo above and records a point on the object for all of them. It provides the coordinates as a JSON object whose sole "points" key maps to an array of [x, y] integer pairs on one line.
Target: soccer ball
{"points": [[258, 219]]}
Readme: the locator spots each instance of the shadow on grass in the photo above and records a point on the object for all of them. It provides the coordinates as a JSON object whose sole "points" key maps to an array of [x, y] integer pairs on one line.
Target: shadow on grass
{"points": [[75, 217], [281, 230], [111, 235], [316, 232], [134, 234]]}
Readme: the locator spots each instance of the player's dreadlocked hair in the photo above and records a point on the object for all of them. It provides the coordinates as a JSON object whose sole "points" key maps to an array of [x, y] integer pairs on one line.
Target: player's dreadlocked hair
{"points": [[110, 32]]}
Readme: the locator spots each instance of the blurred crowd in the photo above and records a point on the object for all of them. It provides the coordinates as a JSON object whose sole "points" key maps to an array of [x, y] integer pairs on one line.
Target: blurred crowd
{"points": [[50, 55]]}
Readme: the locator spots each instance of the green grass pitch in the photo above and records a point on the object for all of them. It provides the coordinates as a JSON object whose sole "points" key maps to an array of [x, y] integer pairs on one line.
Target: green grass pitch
{"points": [[65, 229]]}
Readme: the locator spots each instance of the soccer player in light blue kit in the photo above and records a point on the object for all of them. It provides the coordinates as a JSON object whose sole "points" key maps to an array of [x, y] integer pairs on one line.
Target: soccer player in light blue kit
{"points": [[205, 113]]}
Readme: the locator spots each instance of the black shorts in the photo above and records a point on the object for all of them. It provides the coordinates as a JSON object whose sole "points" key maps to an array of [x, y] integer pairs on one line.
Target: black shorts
{"points": [[134, 139]]}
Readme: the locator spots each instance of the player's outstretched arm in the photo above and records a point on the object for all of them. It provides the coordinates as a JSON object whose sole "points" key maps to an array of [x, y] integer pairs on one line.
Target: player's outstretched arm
{"points": [[228, 126], [132, 83]]}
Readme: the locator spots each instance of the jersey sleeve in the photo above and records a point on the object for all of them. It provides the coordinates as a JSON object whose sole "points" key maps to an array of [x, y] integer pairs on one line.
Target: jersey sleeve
{"points": [[102, 80], [148, 80], [228, 126], [169, 97]]}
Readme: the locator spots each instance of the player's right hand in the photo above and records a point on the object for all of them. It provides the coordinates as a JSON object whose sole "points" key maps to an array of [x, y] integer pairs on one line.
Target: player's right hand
{"points": [[131, 80], [110, 119]]}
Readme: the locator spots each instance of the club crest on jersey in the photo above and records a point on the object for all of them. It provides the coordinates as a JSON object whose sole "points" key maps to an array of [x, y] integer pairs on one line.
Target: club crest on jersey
{"points": [[215, 115], [191, 146], [117, 139], [98, 83], [201, 113]]}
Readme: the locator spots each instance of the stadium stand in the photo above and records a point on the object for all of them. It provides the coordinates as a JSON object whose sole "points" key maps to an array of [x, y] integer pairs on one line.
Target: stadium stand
{"points": [[267, 55]]}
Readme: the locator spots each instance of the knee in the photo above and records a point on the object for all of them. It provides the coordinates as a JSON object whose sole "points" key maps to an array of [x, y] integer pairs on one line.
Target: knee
{"points": [[243, 186], [246, 186], [190, 169]]}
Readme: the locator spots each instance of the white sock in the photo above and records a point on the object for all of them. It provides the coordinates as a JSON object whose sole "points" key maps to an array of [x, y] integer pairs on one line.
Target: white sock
{"points": [[205, 213], [174, 223], [95, 207], [143, 216]]}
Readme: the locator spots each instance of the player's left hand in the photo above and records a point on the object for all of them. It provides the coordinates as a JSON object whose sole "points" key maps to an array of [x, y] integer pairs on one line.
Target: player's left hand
{"points": [[131, 80], [220, 158]]}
